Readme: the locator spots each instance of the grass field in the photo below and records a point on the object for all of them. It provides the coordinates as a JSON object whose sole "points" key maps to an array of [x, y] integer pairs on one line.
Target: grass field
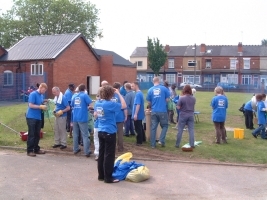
{"points": [[247, 150]]}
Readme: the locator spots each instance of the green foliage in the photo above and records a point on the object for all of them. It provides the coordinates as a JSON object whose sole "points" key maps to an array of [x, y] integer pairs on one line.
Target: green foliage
{"points": [[264, 42], [156, 55], [38, 17]]}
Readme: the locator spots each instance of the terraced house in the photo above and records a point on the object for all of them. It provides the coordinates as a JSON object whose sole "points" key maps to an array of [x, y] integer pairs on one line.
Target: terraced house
{"points": [[242, 65]]}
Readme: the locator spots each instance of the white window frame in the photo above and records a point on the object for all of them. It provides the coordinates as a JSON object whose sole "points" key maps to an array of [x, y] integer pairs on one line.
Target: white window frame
{"points": [[246, 63], [233, 62], [190, 78], [191, 61], [37, 69], [8, 75], [171, 63], [139, 63], [247, 78], [170, 78]]}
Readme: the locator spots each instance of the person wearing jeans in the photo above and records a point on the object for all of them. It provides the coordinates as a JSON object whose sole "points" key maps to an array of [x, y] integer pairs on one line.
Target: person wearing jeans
{"points": [[105, 111], [186, 106], [129, 99], [80, 104], [219, 104], [261, 113], [157, 97], [34, 120]]}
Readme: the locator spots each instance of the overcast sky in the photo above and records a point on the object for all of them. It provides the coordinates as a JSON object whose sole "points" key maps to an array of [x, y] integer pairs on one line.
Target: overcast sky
{"points": [[126, 24]]}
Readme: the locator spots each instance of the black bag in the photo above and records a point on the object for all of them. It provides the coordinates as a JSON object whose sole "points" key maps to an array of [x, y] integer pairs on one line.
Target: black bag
{"points": [[241, 109]]}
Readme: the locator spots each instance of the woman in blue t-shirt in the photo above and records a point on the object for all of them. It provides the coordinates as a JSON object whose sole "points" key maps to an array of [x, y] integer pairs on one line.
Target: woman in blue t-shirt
{"points": [[105, 111], [219, 104]]}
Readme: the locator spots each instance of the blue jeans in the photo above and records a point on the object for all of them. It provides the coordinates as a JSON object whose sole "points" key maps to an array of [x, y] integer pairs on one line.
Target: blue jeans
{"points": [[260, 130], [156, 119], [83, 127], [190, 124], [129, 126], [34, 128]]}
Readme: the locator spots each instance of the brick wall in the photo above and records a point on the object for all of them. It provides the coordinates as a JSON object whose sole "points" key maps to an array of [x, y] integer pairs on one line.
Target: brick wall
{"points": [[121, 74], [106, 67], [73, 66]]}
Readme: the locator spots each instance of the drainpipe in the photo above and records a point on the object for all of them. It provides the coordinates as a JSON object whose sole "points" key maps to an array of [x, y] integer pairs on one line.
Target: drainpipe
{"points": [[17, 76]]}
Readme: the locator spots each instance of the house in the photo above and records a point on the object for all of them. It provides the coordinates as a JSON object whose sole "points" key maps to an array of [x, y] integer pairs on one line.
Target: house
{"points": [[245, 65], [58, 60]]}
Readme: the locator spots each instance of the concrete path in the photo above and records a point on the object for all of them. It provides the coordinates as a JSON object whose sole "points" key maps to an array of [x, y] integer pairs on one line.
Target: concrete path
{"points": [[53, 176]]}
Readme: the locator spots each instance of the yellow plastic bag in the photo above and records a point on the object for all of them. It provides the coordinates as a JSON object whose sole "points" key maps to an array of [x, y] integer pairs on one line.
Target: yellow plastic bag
{"points": [[125, 157], [138, 175]]}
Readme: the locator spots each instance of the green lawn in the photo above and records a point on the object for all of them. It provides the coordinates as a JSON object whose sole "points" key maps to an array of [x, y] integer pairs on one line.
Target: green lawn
{"points": [[247, 150]]}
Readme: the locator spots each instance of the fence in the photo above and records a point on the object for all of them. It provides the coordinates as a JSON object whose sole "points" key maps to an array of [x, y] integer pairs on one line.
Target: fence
{"points": [[210, 87], [16, 86]]}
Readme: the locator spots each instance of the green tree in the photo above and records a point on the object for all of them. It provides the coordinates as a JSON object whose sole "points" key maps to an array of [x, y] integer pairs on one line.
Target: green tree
{"points": [[46, 17], [156, 55], [264, 42]]}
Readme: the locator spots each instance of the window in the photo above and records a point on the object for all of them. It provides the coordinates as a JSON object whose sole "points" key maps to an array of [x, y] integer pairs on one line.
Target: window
{"points": [[246, 79], [170, 78], [139, 63], [233, 62], [246, 63], [171, 63], [208, 63], [8, 78], [190, 78], [37, 69], [191, 63], [232, 78]]}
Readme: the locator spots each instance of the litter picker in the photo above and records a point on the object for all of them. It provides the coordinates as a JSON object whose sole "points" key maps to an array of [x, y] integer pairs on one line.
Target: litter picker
{"points": [[9, 128]]}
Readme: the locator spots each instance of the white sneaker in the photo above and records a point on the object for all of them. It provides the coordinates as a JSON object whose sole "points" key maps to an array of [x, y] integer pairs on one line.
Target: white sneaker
{"points": [[185, 129]]}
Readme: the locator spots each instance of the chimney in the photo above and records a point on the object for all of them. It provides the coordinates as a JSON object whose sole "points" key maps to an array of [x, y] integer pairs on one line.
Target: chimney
{"points": [[202, 48], [240, 47], [167, 48]]}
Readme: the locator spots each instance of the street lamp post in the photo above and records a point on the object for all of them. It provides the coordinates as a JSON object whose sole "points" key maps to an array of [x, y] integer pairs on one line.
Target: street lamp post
{"points": [[195, 63]]}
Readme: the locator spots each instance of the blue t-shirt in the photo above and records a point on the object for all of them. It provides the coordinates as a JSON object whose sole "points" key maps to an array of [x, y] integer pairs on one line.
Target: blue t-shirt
{"points": [[68, 94], [219, 104], [106, 111], [120, 114], [157, 95], [248, 106], [35, 98], [139, 100], [62, 106], [129, 100], [261, 114], [80, 103], [123, 91]]}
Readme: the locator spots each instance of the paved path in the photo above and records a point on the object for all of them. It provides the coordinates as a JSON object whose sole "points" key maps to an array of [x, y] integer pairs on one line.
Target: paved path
{"points": [[53, 176]]}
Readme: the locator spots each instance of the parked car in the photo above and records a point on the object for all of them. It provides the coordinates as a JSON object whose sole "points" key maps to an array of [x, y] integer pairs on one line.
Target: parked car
{"points": [[208, 84], [192, 85], [227, 85]]}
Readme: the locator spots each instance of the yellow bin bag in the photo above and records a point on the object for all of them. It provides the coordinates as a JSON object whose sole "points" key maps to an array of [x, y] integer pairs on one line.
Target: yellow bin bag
{"points": [[138, 175]]}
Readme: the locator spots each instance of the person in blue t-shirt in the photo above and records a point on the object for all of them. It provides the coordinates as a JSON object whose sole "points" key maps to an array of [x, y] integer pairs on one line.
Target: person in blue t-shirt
{"points": [[34, 120], [121, 117], [249, 115], [129, 99], [219, 104], [157, 97], [60, 112], [122, 89], [138, 113], [105, 111], [261, 113], [68, 94], [80, 104]]}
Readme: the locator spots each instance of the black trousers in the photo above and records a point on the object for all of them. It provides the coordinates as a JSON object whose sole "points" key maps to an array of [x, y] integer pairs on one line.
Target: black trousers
{"points": [[68, 121], [249, 119], [139, 130], [34, 128], [106, 158]]}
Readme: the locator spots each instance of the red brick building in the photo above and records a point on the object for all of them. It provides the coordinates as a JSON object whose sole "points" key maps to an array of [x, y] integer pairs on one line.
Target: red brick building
{"points": [[58, 60]]}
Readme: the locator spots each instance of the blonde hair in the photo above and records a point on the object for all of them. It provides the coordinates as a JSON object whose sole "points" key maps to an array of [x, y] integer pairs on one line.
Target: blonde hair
{"points": [[43, 85], [218, 90]]}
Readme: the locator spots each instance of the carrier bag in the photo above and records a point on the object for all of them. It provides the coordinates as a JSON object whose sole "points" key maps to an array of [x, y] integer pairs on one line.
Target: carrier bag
{"points": [[138, 175]]}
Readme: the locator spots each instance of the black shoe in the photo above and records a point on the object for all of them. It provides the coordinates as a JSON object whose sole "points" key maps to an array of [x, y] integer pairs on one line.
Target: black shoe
{"points": [[77, 151], [255, 136], [88, 155], [63, 147], [56, 145], [137, 144], [132, 134], [126, 135]]}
